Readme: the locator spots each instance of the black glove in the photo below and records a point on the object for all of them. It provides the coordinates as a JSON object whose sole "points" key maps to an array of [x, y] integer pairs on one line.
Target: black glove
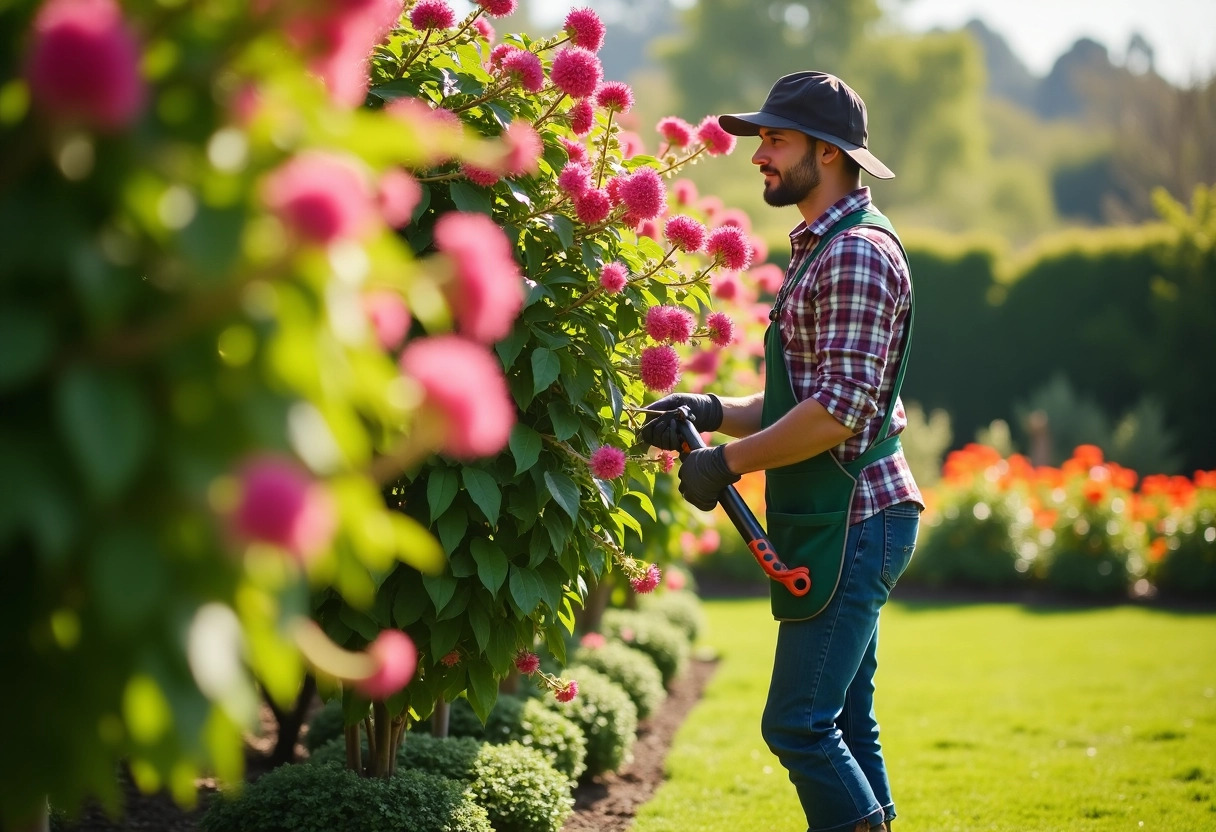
{"points": [[663, 430], [704, 475]]}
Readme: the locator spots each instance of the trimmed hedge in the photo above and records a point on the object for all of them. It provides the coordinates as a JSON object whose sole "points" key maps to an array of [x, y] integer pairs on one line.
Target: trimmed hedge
{"points": [[654, 635], [681, 608], [607, 716], [630, 668]]}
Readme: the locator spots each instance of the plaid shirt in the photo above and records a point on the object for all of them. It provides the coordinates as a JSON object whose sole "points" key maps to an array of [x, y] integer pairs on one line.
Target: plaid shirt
{"points": [[843, 328]]}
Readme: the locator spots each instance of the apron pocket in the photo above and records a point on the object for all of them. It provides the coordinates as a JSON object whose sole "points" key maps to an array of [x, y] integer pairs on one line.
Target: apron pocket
{"points": [[817, 542]]}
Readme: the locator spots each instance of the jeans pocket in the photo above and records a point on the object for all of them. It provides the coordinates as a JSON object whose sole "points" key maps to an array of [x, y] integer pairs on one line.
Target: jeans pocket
{"points": [[900, 524]]}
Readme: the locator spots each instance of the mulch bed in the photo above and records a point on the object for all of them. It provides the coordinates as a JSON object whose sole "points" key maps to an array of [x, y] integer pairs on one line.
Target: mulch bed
{"points": [[606, 803]]}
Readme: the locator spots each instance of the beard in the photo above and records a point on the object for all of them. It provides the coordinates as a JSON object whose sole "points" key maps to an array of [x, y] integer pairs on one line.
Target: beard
{"points": [[795, 184]]}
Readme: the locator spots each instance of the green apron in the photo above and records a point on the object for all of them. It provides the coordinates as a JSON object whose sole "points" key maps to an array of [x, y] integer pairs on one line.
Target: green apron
{"points": [[808, 503]]}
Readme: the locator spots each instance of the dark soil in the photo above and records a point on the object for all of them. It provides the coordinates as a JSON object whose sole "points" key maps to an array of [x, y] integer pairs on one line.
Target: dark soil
{"points": [[606, 803]]}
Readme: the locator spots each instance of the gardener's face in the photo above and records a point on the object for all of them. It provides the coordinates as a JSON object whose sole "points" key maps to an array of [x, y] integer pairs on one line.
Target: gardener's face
{"points": [[787, 160]]}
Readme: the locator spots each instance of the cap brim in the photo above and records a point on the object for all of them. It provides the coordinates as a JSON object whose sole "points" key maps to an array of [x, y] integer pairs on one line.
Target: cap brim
{"points": [[750, 124]]}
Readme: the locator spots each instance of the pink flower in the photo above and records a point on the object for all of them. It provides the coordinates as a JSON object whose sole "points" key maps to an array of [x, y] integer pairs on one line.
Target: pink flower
{"points": [[524, 66], [527, 663], [675, 131], [658, 325], [321, 197], [643, 193], [667, 461], [704, 362], [735, 217], [669, 323], [585, 29], [615, 96], [396, 659], [480, 176], [484, 28], [389, 316], [339, 38], [649, 581], [726, 286], [685, 191], [675, 580], [660, 368], [488, 291], [716, 140], [398, 195], [759, 249], [593, 640], [432, 14], [721, 328], [592, 207], [631, 143], [576, 72], [712, 206], [607, 463], [84, 64], [582, 117], [524, 148], [500, 52], [685, 233], [709, 541], [728, 246], [613, 278], [497, 8], [768, 277], [453, 658], [575, 151], [282, 505], [463, 386], [567, 691], [436, 129], [574, 180], [648, 228]]}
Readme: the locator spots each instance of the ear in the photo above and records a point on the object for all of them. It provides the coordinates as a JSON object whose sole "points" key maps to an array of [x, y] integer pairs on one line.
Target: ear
{"points": [[829, 154]]}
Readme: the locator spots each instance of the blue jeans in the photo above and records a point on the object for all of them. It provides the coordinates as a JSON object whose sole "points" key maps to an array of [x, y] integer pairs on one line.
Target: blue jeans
{"points": [[819, 719]]}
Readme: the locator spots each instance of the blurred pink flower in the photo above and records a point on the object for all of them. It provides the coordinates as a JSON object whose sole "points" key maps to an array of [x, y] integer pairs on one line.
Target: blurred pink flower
{"points": [[339, 38], [396, 660], [726, 286], [631, 143], [704, 362], [464, 385], [614, 277], [615, 96], [497, 8], [321, 197], [283, 505], [607, 462], [709, 541], [575, 151], [712, 206], [488, 291], [649, 581], [669, 323], [432, 14], [582, 117], [576, 72], [716, 140], [398, 195], [451, 658], [526, 662], [524, 66], [592, 207], [437, 129], [574, 180], [685, 233], [83, 64], [768, 277], [735, 217], [685, 191], [480, 176], [729, 246], [648, 228], [567, 691], [484, 29], [660, 368], [585, 29], [667, 461], [675, 580], [675, 131], [593, 641], [721, 328], [389, 316], [759, 249], [524, 148], [643, 193]]}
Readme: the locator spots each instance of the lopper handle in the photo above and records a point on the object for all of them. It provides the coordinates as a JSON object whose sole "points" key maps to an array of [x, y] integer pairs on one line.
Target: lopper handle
{"points": [[796, 580]]}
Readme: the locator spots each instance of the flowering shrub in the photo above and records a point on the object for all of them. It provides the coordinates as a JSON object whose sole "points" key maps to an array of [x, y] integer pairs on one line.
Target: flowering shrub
{"points": [[1182, 553]]}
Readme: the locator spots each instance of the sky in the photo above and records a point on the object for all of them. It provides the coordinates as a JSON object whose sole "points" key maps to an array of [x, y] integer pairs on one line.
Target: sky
{"points": [[1182, 32]]}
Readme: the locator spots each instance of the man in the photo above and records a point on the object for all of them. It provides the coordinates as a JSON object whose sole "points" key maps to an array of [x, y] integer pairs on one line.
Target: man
{"points": [[840, 497]]}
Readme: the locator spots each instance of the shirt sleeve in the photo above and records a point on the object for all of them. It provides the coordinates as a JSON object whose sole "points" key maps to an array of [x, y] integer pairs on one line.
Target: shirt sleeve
{"points": [[854, 304]]}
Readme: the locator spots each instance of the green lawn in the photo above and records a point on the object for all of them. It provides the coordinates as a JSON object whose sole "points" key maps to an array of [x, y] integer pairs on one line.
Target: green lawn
{"points": [[995, 717]]}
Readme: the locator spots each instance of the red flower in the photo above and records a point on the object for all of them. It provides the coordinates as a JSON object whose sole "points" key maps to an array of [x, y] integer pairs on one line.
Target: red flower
{"points": [[607, 463], [592, 207], [721, 328], [675, 131], [567, 691], [667, 461], [585, 29], [320, 196], [660, 368], [615, 96], [524, 66], [576, 72], [527, 663], [488, 291], [728, 246], [396, 659], [84, 64], [283, 505], [685, 233], [497, 8], [453, 658], [582, 117], [614, 277], [432, 14], [463, 385], [649, 581]]}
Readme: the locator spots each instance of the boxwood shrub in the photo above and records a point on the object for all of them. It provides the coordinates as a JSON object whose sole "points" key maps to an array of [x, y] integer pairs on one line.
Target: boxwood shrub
{"points": [[630, 668], [607, 717], [654, 635], [520, 790], [322, 798], [681, 608], [326, 724]]}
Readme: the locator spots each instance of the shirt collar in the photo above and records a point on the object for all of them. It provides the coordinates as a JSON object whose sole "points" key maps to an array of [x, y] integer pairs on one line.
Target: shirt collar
{"points": [[847, 204]]}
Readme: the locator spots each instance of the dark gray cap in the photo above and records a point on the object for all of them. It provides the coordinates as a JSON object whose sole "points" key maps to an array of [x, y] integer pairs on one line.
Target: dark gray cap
{"points": [[820, 105]]}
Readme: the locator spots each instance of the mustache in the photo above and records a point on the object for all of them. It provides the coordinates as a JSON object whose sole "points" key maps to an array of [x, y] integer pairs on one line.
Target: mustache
{"points": [[769, 171]]}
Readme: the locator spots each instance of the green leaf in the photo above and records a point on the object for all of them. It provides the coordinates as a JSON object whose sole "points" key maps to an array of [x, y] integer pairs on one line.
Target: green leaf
{"points": [[444, 635], [471, 198], [525, 447], [561, 226], [451, 528], [527, 589], [462, 565], [360, 622], [556, 644], [440, 588], [491, 563], [108, 427], [483, 488], [509, 348], [482, 691], [645, 502], [564, 491], [409, 603], [479, 620], [539, 547], [618, 402], [26, 341], [441, 487], [459, 603], [565, 423], [546, 367], [127, 577]]}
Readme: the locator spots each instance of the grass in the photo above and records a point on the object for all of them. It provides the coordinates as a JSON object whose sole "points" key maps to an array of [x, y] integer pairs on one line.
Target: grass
{"points": [[994, 717]]}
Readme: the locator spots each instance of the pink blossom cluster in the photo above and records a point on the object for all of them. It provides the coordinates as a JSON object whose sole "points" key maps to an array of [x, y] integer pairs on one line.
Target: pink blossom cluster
{"points": [[721, 328], [281, 504], [716, 140], [432, 14], [585, 29], [389, 317], [675, 131], [395, 658], [685, 233], [567, 691], [321, 196], [647, 581], [728, 245], [615, 96], [642, 193], [527, 662], [614, 277], [593, 206], [659, 367], [582, 117], [672, 324], [487, 292], [522, 65], [83, 64], [339, 37], [667, 461], [574, 179], [497, 8], [577, 72], [607, 463]]}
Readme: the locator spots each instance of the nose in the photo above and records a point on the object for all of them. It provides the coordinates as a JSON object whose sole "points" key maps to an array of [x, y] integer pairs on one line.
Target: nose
{"points": [[760, 157]]}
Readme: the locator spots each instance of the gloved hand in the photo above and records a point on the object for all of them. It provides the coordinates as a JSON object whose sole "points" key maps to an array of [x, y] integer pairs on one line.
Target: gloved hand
{"points": [[662, 429], [704, 474]]}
